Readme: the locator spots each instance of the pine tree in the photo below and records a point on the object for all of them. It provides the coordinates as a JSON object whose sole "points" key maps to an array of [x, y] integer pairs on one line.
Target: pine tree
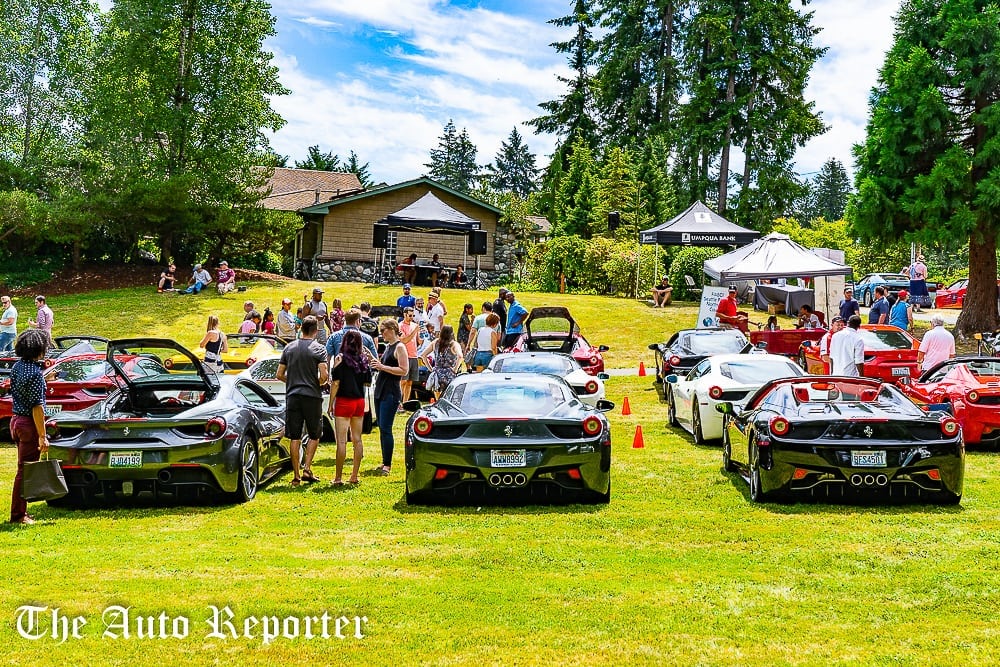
{"points": [[354, 166], [618, 190], [830, 190], [453, 162], [320, 161], [513, 168], [577, 195]]}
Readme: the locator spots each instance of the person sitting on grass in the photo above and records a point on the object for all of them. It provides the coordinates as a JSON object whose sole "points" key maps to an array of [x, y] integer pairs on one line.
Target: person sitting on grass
{"points": [[662, 293], [225, 278], [199, 278], [167, 279]]}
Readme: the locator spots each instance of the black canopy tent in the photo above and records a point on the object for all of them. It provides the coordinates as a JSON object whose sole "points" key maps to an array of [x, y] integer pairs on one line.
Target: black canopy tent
{"points": [[429, 215], [698, 225]]}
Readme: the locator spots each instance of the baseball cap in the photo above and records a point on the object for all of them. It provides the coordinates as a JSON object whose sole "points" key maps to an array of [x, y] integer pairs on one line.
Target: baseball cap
{"points": [[406, 285], [836, 318], [732, 288], [318, 290], [197, 266], [223, 263], [286, 300], [903, 294]]}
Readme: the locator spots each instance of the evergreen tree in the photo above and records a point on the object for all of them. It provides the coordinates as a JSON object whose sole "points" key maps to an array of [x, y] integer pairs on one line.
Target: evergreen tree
{"points": [[657, 194], [830, 190], [453, 162], [929, 168], [577, 195], [513, 168], [618, 190], [320, 161], [354, 166]]}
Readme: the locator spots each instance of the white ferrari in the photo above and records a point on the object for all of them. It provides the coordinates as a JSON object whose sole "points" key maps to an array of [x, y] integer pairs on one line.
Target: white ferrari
{"points": [[588, 388], [733, 378]]}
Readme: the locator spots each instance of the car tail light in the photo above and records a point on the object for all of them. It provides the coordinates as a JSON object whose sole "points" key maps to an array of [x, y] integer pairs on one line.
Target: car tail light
{"points": [[423, 426], [590, 387], [715, 393], [574, 473], [250, 361], [215, 427], [49, 363], [168, 363], [440, 473], [800, 473], [675, 360], [592, 425], [972, 396], [869, 358], [949, 427], [52, 429], [779, 426], [934, 474]]}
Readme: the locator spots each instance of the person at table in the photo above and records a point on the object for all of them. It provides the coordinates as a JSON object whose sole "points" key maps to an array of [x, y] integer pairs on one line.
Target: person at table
{"points": [[662, 293], [437, 271], [409, 268], [460, 278], [772, 324], [406, 300], [728, 311], [807, 318]]}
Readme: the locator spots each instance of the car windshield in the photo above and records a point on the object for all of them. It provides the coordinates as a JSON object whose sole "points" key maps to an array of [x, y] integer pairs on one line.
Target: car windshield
{"points": [[525, 363], [265, 370], [505, 397], [885, 339], [892, 277], [759, 372], [79, 370], [986, 368], [958, 284], [713, 343]]}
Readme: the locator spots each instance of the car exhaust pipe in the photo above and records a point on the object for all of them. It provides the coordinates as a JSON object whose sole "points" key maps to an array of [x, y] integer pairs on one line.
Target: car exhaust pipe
{"points": [[869, 480], [495, 479], [856, 479], [89, 477], [881, 480], [520, 479], [163, 476], [508, 480]]}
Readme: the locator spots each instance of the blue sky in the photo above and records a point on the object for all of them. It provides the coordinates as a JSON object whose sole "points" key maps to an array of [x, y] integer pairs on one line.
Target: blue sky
{"points": [[382, 77]]}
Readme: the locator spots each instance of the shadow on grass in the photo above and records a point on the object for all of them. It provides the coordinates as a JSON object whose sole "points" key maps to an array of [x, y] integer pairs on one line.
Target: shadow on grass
{"points": [[496, 508], [804, 504], [47, 515]]}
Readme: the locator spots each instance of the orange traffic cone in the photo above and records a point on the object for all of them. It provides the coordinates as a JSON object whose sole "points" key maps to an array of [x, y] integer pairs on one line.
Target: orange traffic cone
{"points": [[642, 370], [626, 408], [637, 441]]}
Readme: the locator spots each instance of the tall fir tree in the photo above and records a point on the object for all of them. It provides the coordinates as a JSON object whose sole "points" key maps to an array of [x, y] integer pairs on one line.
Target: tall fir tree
{"points": [[319, 161], [619, 190], [453, 162], [830, 191], [513, 169], [929, 169], [576, 199]]}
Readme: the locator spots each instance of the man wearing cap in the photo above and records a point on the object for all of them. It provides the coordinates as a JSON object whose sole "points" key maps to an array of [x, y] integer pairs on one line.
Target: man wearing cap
{"points": [[849, 306], [199, 278], [937, 345], [407, 300], [435, 311], [284, 325], [225, 278], [728, 311], [318, 309], [901, 315], [662, 293], [824, 343]]}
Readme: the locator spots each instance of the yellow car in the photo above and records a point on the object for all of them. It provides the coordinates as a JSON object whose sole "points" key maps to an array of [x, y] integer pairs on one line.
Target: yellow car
{"points": [[244, 351]]}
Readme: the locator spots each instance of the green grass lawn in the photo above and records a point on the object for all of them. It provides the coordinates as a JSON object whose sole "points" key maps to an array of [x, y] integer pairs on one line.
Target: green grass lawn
{"points": [[680, 568]]}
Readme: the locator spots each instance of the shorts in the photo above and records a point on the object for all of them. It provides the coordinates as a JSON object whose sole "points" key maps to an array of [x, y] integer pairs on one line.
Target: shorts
{"points": [[303, 411], [349, 407], [413, 372], [224, 288], [482, 358]]}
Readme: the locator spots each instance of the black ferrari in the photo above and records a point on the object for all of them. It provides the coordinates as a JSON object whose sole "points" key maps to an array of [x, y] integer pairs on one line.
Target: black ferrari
{"points": [[515, 437], [686, 348], [173, 436], [839, 437]]}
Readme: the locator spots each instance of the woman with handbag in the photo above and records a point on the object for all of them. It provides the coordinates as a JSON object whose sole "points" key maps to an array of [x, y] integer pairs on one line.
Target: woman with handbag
{"points": [[447, 360], [27, 426], [485, 340]]}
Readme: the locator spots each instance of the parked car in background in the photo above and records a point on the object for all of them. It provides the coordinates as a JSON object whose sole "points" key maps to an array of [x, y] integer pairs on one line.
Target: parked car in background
{"points": [[836, 437], [62, 347], [692, 398], [864, 289], [588, 388], [952, 296], [507, 437], [179, 436], [244, 351], [686, 348], [968, 387], [553, 329], [890, 353]]}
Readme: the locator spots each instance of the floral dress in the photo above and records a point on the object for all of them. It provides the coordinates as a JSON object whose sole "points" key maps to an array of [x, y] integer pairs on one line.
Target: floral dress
{"points": [[444, 366], [336, 319]]}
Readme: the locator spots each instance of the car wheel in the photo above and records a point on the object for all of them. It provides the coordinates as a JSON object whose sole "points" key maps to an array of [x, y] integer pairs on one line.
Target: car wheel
{"points": [[727, 450], [328, 434], [756, 494], [699, 437], [249, 473], [671, 409], [951, 498]]}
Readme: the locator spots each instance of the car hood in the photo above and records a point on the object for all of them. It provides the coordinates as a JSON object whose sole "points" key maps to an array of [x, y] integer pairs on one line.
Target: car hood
{"points": [[199, 378]]}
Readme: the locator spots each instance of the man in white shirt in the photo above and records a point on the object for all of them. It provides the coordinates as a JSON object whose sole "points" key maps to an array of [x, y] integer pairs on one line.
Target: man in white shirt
{"points": [[937, 345], [435, 312], [847, 350], [8, 325]]}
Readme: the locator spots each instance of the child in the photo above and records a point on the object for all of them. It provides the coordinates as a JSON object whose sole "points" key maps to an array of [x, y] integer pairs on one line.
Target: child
{"points": [[251, 324], [298, 321], [268, 325], [336, 315], [772, 323]]}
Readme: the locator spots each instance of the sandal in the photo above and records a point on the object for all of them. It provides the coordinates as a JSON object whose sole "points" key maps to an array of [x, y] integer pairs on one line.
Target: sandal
{"points": [[296, 481], [354, 482], [337, 482], [382, 472], [308, 476]]}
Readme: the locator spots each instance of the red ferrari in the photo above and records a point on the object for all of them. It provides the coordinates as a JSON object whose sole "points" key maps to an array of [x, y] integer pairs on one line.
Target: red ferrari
{"points": [[890, 353], [953, 296], [77, 382], [553, 329], [970, 387]]}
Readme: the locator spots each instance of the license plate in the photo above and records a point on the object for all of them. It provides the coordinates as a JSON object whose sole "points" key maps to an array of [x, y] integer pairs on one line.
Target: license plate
{"points": [[125, 460], [508, 458], [901, 370], [874, 459], [52, 409]]}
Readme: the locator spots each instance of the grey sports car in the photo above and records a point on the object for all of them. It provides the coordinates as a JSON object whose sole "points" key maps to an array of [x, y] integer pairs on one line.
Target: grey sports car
{"points": [[180, 436]]}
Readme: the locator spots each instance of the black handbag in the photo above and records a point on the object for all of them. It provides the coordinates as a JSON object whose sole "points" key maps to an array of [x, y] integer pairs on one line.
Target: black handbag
{"points": [[43, 480]]}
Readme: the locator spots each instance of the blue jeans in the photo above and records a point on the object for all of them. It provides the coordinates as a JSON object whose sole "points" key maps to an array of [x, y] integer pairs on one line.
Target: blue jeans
{"points": [[385, 414], [194, 288], [7, 342]]}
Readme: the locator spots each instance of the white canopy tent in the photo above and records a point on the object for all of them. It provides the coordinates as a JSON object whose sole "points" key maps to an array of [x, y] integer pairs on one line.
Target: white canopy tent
{"points": [[774, 256]]}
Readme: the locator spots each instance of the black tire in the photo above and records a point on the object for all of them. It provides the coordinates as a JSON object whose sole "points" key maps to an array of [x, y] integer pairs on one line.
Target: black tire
{"points": [[329, 434], [249, 472], [699, 437], [727, 450], [756, 494], [950, 498], [671, 409], [603, 498]]}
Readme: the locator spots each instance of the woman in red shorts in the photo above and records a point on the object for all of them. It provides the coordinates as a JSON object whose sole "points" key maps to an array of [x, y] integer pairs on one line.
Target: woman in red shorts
{"points": [[348, 378]]}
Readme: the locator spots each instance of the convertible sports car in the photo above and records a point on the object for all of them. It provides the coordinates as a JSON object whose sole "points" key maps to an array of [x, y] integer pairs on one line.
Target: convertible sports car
{"points": [[864, 289], [553, 329], [77, 382], [890, 353], [244, 350], [953, 296], [588, 388], [692, 398], [688, 347], [836, 437], [967, 386], [501, 437], [62, 347], [170, 435]]}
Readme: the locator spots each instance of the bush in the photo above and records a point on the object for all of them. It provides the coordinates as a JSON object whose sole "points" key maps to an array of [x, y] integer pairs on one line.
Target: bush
{"points": [[265, 260], [690, 262]]}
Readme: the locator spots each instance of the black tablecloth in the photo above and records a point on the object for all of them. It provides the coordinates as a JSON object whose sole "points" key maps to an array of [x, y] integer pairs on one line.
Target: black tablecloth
{"points": [[791, 296]]}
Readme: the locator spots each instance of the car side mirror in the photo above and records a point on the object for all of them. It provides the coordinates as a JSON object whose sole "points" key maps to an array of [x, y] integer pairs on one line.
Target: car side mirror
{"points": [[762, 345], [807, 343], [603, 376], [411, 406], [672, 378], [604, 405], [725, 407], [603, 348], [653, 346]]}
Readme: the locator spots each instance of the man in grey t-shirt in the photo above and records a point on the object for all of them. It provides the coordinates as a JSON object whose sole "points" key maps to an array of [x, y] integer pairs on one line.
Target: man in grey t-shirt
{"points": [[318, 309], [8, 324], [304, 369]]}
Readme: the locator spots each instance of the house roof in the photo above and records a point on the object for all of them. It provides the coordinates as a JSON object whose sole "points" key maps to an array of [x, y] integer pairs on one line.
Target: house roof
{"points": [[541, 224], [293, 189], [325, 207]]}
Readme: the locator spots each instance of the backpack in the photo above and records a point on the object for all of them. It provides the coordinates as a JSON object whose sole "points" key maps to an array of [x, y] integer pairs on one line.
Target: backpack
{"points": [[369, 326]]}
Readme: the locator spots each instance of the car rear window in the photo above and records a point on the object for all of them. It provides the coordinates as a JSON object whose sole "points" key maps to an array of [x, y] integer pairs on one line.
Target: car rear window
{"points": [[79, 370], [885, 339], [506, 398], [713, 343], [523, 363]]}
